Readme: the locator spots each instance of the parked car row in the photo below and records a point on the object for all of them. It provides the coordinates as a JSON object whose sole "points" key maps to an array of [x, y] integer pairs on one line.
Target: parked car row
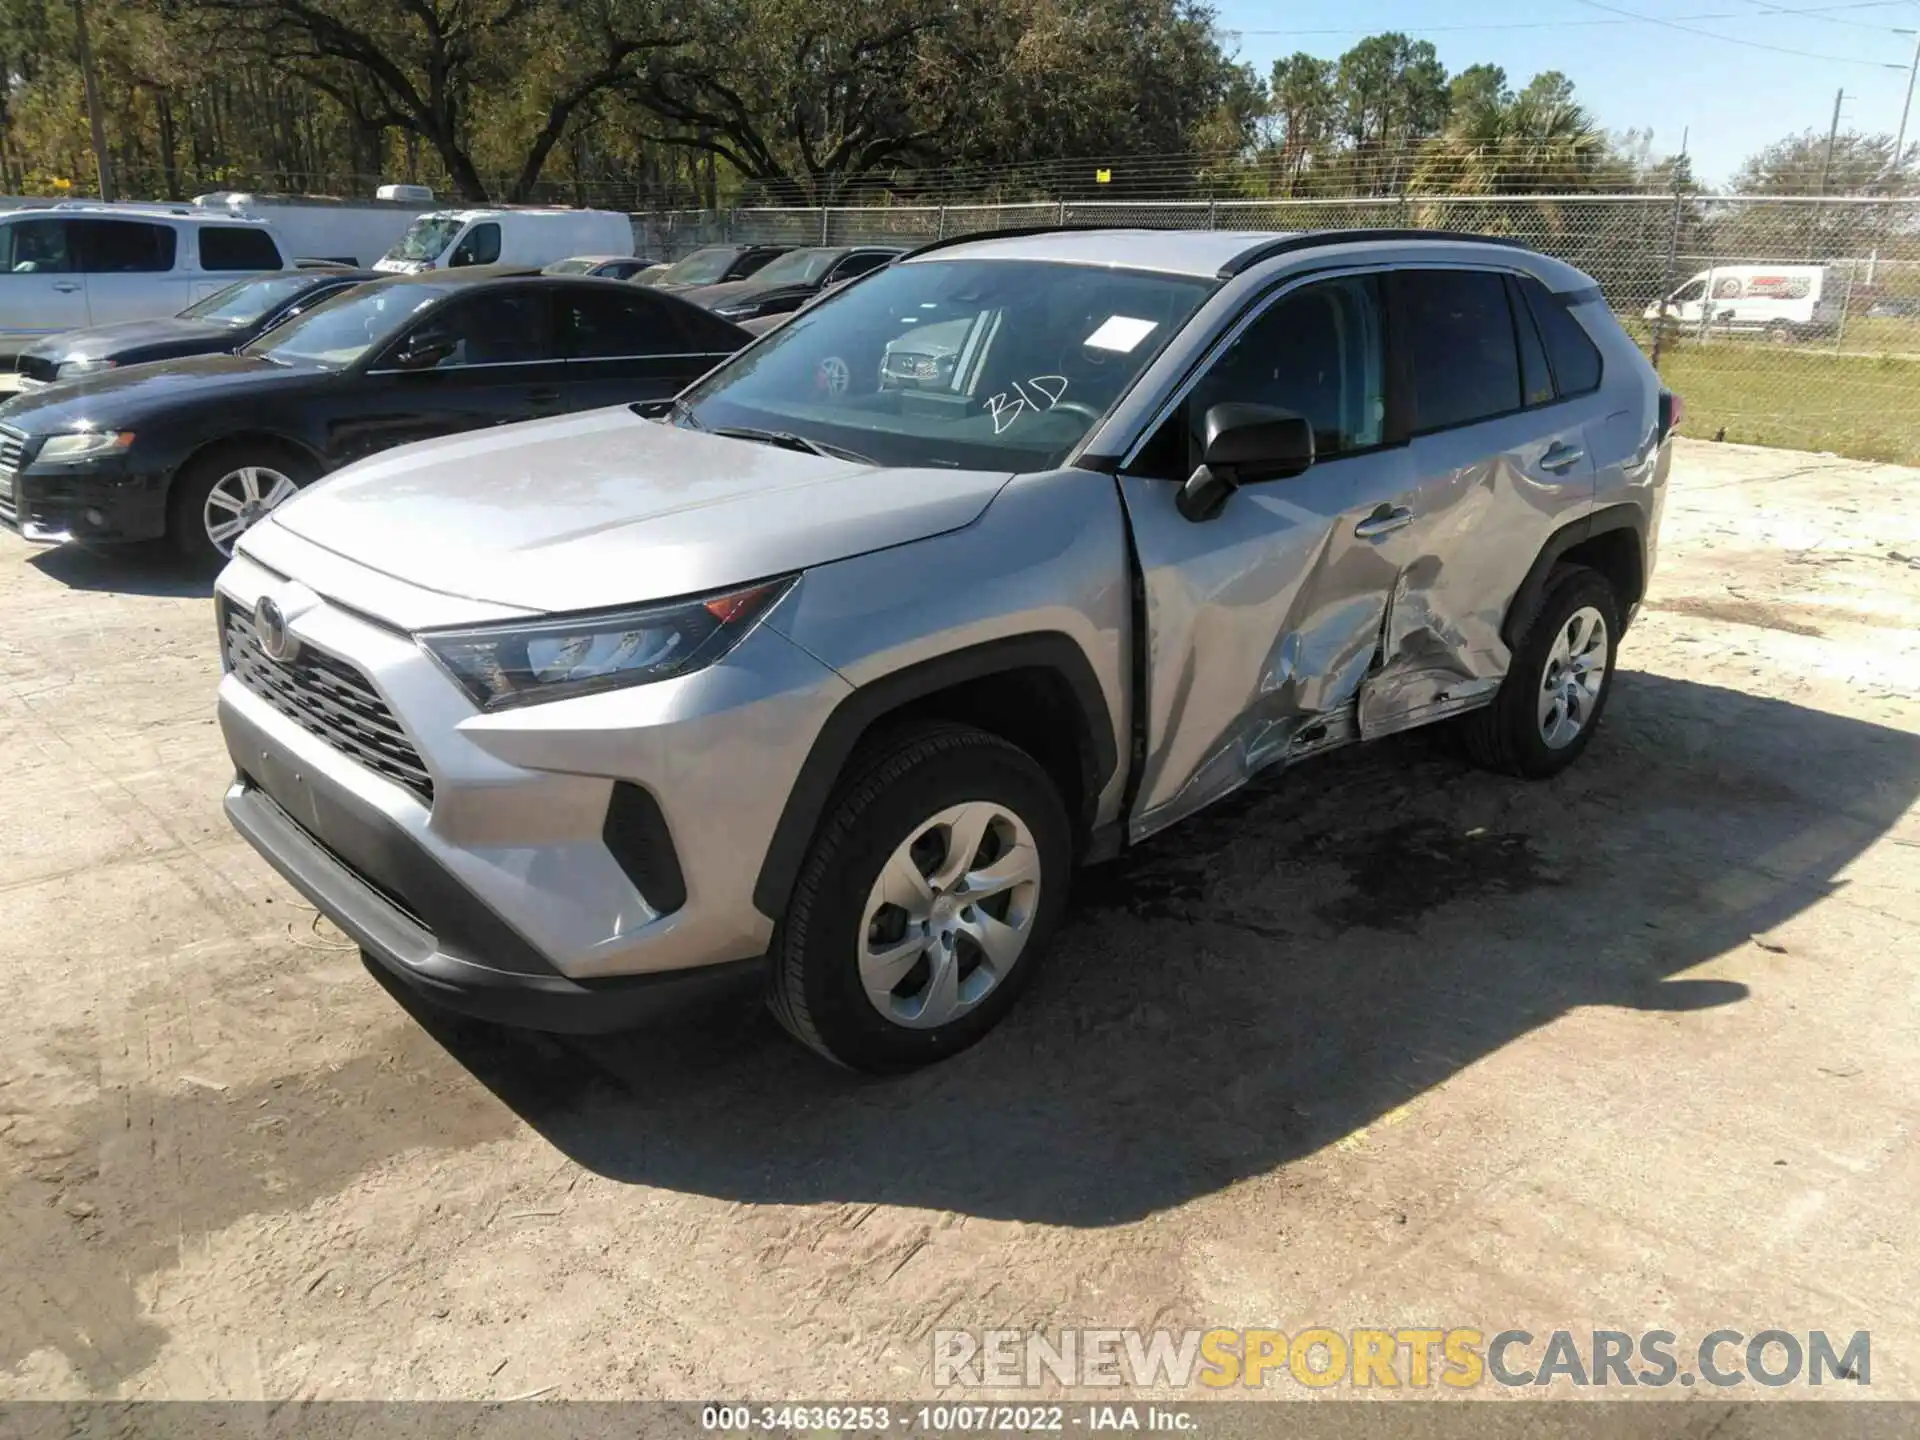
{"points": [[198, 447]]}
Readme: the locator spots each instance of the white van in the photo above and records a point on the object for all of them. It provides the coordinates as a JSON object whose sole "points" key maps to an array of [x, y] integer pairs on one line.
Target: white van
{"points": [[347, 232], [1787, 302], [83, 263], [445, 239]]}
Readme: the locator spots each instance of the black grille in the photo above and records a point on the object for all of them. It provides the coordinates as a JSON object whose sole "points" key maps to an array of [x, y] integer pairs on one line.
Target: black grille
{"points": [[327, 698], [13, 446]]}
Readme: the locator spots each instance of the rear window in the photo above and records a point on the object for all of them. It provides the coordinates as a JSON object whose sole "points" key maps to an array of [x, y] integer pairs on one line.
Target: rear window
{"points": [[123, 247], [1459, 334], [237, 247], [1570, 350]]}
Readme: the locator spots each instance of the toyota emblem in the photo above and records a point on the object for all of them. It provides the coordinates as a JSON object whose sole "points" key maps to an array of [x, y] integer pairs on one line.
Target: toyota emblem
{"points": [[270, 626]]}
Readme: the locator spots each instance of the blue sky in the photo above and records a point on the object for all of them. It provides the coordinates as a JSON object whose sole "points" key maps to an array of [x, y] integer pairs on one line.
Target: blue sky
{"points": [[1730, 99]]}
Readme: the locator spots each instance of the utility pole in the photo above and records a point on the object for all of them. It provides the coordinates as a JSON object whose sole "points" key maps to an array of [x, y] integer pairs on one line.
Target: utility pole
{"points": [[1832, 137], [1900, 140], [102, 162]]}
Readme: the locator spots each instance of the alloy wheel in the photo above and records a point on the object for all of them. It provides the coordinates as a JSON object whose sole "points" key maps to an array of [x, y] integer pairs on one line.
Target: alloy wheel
{"points": [[239, 498], [1575, 674]]}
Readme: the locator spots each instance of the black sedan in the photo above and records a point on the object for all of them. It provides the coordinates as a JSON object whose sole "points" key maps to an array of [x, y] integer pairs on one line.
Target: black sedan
{"points": [[197, 450], [784, 285], [223, 321]]}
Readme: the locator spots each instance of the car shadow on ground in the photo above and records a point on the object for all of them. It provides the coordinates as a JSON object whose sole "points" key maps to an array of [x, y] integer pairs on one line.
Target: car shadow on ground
{"points": [[148, 569], [1268, 978]]}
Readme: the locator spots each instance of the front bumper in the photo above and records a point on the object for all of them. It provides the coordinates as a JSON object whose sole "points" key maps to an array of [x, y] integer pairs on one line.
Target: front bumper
{"points": [[570, 865], [109, 501]]}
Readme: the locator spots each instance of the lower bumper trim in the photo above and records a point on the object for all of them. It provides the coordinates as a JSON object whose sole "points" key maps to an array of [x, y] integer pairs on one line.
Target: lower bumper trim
{"points": [[409, 953]]}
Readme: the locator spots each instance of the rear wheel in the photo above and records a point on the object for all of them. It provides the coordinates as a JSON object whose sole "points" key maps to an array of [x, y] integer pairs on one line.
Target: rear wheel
{"points": [[923, 907], [1549, 705], [218, 496]]}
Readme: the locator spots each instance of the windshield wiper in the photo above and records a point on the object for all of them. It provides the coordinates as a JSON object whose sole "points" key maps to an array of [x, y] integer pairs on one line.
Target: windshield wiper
{"points": [[787, 440]]}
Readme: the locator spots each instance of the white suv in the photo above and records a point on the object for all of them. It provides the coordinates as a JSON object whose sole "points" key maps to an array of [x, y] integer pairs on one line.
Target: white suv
{"points": [[73, 265]]}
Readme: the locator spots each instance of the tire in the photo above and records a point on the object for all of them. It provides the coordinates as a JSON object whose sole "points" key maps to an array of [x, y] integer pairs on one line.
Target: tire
{"points": [[1781, 334], [1512, 735], [277, 470], [903, 801]]}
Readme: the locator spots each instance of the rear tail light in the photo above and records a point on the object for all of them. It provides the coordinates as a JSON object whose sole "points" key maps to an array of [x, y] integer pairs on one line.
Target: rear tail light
{"points": [[1672, 411]]}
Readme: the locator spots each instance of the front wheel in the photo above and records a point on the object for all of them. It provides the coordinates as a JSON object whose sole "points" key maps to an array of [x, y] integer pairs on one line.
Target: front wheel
{"points": [[1549, 705], [923, 907], [219, 496]]}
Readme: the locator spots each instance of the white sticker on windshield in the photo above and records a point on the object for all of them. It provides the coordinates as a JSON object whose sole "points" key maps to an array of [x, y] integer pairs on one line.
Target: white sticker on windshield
{"points": [[1121, 333]]}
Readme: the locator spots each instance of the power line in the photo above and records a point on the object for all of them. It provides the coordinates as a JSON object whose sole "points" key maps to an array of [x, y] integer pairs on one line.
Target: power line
{"points": [[1735, 40], [1816, 12]]}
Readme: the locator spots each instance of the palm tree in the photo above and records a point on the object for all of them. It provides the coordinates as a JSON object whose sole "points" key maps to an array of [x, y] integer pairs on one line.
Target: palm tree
{"points": [[1538, 141]]}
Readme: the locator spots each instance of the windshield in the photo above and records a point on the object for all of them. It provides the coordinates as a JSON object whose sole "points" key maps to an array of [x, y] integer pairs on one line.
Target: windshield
{"points": [[571, 267], [340, 331], [426, 238], [702, 267], [246, 302], [796, 267], [969, 364]]}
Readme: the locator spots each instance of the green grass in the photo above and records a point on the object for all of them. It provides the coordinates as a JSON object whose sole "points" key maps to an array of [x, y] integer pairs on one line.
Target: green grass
{"points": [[1863, 407]]}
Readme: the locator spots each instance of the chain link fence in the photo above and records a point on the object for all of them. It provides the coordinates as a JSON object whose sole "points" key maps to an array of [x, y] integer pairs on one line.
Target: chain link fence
{"points": [[1788, 321]]}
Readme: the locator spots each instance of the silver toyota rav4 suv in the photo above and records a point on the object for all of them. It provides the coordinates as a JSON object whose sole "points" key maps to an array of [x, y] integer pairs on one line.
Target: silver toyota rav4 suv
{"points": [[1000, 560]]}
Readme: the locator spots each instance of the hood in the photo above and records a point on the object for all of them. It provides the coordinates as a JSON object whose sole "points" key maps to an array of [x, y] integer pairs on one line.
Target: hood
{"points": [[604, 508], [124, 396], [107, 341], [733, 291]]}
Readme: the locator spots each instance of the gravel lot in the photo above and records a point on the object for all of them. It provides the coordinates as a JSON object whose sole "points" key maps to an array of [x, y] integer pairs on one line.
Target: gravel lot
{"points": [[1383, 1042]]}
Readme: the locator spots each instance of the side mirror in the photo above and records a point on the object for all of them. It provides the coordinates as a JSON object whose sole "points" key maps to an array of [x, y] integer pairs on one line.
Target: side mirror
{"points": [[1245, 444]]}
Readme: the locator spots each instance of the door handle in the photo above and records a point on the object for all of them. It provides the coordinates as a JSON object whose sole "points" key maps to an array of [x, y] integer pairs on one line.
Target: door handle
{"points": [[546, 395], [1560, 457], [1383, 522], [66, 287]]}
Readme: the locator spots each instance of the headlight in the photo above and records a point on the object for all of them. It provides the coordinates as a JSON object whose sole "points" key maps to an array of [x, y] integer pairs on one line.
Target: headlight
{"points": [[89, 445], [525, 663], [70, 368]]}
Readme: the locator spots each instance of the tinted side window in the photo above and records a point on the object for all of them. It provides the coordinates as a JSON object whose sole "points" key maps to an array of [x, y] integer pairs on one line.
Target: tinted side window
{"points": [[601, 326], [753, 260], [122, 247], [1317, 351], [855, 265], [499, 329], [1536, 379], [701, 333], [1459, 338], [37, 247], [237, 247], [1574, 356], [480, 247]]}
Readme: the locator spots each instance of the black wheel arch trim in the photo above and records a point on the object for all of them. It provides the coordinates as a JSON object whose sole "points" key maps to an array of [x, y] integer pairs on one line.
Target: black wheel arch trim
{"points": [[855, 715], [1526, 600]]}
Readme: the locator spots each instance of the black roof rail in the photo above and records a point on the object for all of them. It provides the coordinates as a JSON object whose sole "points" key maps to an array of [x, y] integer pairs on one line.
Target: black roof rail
{"points": [[1013, 232], [1314, 239]]}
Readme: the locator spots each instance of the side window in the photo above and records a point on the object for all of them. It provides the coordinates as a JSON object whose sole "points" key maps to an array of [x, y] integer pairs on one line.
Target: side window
{"points": [[700, 333], [123, 247], [1570, 350], [501, 329], [37, 247], [1458, 332], [481, 246], [602, 326], [1692, 290], [1536, 379], [856, 265], [237, 247], [1316, 351]]}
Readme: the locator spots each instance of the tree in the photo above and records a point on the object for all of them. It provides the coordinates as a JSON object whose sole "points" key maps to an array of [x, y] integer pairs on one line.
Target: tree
{"points": [[1502, 144], [1392, 94], [1300, 100], [1860, 165], [420, 66], [1478, 87]]}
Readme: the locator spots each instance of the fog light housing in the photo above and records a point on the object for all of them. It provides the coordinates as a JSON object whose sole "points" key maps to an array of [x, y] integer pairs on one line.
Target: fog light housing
{"points": [[96, 519]]}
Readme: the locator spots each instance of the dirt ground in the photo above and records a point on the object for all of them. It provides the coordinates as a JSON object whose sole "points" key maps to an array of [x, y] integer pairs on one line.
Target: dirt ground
{"points": [[1381, 1042]]}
